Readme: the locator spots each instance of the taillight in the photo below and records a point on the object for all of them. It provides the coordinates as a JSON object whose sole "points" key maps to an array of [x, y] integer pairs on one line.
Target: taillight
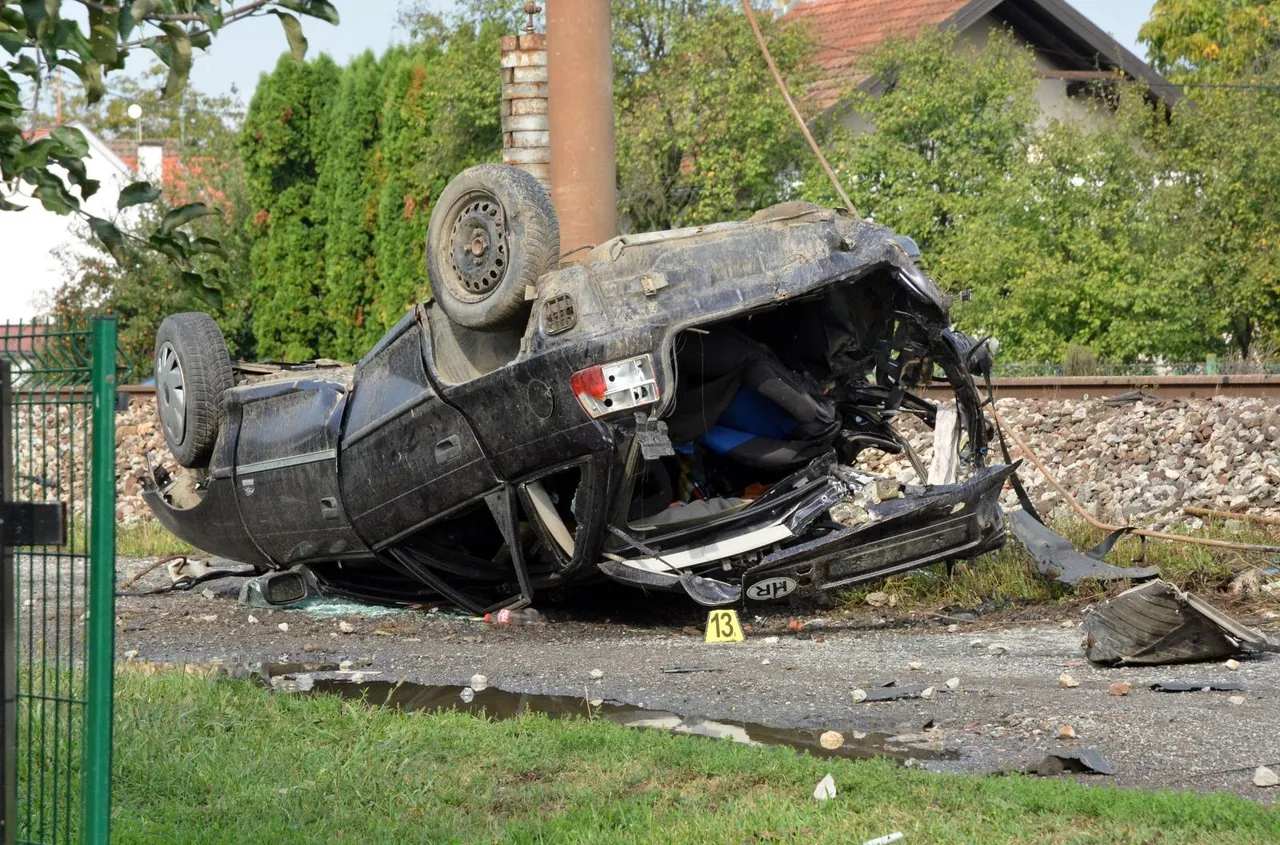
{"points": [[616, 387]]}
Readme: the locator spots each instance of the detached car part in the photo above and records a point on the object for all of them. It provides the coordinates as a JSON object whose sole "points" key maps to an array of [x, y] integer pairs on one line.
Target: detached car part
{"points": [[679, 410]]}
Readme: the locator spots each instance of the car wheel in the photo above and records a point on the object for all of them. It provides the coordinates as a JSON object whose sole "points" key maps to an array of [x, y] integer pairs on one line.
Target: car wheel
{"points": [[493, 232], [193, 370]]}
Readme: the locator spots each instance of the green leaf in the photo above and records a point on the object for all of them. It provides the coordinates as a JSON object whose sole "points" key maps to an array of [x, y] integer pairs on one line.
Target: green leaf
{"points": [[25, 65], [137, 194], [71, 141], [13, 42], [140, 9], [183, 215], [52, 192], [124, 20], [110, 237], [203, 288], [167, 246], [94, 87], [293, 32], [179, 60], [321, 9], [102, 38], [209, 246]]}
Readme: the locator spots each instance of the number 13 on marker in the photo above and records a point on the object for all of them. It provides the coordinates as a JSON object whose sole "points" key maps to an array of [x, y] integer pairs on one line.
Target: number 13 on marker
{"points": [[723, 627]]}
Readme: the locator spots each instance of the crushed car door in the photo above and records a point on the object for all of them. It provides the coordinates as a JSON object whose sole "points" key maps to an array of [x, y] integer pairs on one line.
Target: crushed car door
{"points": [[406, 456], [286, 475]]}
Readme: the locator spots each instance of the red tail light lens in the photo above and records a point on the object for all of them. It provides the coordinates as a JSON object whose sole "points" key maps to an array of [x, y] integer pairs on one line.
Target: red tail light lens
{"points": [[589, 382], [619, 386]]}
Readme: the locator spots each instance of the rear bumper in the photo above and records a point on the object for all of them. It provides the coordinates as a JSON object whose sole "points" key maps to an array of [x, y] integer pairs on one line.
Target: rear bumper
{"points": [[952, 522]]}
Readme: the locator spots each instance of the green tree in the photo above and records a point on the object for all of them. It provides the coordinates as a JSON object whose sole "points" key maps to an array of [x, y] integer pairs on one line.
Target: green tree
{"points": [[283, 143], [348, 185], [947, 129], [702, 132], [1211, 39], [146, 286], [440, 115]]}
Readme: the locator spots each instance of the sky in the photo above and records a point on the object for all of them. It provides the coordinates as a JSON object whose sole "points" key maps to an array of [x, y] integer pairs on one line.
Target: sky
{"points": [[251, 48]]}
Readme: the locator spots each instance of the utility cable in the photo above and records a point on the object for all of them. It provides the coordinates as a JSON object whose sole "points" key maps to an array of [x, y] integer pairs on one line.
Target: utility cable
{"points": [[782, 86], [1102, 526]]}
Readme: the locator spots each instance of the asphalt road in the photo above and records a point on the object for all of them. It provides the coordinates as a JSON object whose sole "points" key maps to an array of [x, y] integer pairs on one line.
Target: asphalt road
{"points": [[1007, 711]]}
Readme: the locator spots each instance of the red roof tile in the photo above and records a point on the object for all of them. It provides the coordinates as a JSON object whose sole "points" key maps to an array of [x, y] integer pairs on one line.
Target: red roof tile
{"points": [[846, 31]]}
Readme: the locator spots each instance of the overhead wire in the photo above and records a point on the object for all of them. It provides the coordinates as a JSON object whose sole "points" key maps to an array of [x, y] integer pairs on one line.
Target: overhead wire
{"points": [[786, 95]]}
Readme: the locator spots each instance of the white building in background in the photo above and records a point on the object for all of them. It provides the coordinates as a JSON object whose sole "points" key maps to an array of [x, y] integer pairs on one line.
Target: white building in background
{"points": [[31, 239]]}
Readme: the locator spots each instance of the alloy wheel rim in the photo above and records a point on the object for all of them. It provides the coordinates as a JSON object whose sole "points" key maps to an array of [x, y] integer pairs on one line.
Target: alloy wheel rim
{"points": [[171, 393]]}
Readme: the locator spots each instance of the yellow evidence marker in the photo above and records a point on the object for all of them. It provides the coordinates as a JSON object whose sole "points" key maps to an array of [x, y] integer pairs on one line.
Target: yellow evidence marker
{"points": [[723, 627]]}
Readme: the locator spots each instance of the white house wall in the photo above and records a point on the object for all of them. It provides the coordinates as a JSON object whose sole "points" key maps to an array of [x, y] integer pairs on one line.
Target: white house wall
{"points": [[31, 238]]}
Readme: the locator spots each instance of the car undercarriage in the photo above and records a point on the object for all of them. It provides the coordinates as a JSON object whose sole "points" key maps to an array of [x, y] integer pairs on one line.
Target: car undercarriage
{"points": [[678, 411]]}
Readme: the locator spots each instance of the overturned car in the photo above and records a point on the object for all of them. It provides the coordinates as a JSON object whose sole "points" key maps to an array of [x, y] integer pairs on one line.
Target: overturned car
{"points": [[679, 410]]}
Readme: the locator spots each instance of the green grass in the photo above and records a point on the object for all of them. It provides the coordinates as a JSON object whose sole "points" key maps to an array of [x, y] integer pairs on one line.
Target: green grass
{"points": [[1010, 575], [212, 762], [146, 540]]}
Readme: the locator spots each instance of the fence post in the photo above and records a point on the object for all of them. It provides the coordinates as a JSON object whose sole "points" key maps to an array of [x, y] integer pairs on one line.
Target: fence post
{"points": [[8, 631], [100, 627]]}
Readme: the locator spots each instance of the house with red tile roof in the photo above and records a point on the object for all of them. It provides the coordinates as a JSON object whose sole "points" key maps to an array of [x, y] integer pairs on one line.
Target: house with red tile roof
{"points": [[1071, 52]]}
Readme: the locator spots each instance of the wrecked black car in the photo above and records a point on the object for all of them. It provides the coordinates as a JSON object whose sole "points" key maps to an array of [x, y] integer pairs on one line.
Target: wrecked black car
{"points": [[678, 410]]}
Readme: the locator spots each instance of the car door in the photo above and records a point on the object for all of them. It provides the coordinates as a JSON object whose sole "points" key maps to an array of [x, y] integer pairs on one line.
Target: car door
{"points": [[286, 477], [406, 456]]}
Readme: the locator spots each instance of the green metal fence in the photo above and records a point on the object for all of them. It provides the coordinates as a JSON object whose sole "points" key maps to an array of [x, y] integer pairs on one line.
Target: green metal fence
{"points": [[60, 444]]}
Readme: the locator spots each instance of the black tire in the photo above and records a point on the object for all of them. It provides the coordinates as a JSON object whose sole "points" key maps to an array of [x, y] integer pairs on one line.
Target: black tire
{"points": [[193, 370], [493, 232]]}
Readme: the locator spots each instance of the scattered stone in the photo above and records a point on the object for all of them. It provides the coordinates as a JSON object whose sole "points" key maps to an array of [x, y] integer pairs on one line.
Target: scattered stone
{"points": [[283, 626], [131, 655], [346, 665], [1120, 688], [770, 640], [859, 696], [1236, 700], [859, 735], [914, 665], [479, 683], [997, 650], [467, 695], [825, 790], [1066, 732], [877, 599], [253, 620], [952, 628], [1067, 682], [596, 674], [209, 617], [310, 647], [1066, 625], [977, 644], [764, 662], [1264, 777], [831, 740], [346, 627], [1233, 665], [927, 693], [207, 593], [953, 683]]}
